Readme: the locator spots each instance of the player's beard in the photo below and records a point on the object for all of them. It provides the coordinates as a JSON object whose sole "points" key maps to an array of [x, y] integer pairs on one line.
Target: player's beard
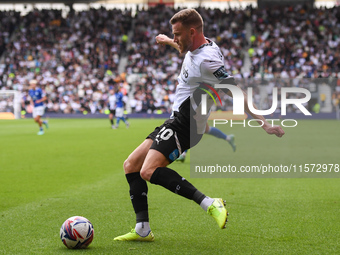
{"points": [[185, 45]]}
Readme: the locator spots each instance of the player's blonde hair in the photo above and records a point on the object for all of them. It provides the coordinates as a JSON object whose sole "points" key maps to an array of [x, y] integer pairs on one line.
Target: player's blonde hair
{"points": [[189, 18]]}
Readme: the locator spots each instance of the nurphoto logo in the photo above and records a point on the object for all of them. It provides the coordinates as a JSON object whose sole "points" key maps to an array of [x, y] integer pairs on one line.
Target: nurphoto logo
{"points": [[239, 99]]}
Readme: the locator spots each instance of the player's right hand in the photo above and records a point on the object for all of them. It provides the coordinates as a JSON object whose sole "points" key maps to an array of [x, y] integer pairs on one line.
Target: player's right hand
{"points": [[163, 39], [275, 130]]}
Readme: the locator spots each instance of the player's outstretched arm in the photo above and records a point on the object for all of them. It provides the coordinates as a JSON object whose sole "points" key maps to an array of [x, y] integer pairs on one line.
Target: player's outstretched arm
{"points": [[165, 40], [270, 129]]}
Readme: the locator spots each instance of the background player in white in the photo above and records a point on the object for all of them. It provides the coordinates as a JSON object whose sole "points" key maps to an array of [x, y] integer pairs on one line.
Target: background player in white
{"points": [[38, 98], [149, 161], [112, 108]]}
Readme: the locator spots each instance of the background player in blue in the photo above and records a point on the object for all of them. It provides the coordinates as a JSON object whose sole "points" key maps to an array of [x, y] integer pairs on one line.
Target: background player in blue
{"points": [[218, 134], [38, 98], [120, 108]]}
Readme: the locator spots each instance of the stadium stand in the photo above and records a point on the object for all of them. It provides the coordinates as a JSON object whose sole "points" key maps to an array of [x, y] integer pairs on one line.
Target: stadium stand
{"points": [[76, 58], [295, 41]]}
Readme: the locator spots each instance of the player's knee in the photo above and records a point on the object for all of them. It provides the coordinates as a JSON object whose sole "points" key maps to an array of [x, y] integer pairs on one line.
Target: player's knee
{"points": [[128, 166], [145, 175]]}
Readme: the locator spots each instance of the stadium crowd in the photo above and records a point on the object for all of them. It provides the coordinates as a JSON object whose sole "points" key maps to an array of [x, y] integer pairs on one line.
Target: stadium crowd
{"points": [[295, 41], [76, 58]]}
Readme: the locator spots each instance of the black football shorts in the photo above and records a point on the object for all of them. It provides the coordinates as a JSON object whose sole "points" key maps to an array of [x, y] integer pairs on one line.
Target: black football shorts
{"points": [[176, 134]]}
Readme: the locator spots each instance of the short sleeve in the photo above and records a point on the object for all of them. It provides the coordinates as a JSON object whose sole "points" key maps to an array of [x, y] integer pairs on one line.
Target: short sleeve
{"points": [[215, 73]]}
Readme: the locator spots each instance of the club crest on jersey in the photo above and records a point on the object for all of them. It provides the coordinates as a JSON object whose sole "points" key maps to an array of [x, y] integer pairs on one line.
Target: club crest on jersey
{"points": [[221, 73]]}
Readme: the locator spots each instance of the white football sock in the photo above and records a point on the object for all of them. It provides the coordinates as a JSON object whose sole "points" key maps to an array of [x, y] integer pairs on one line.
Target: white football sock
{"points": [[143, 228], [206, 202]]}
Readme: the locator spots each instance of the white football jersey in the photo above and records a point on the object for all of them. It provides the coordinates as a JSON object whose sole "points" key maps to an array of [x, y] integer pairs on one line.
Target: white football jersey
{"points": [[112, 102], [203, 65]]}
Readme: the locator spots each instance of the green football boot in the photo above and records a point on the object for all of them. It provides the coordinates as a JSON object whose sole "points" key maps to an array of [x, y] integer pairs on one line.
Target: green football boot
{"points": [[133, 236], [218, 211]]}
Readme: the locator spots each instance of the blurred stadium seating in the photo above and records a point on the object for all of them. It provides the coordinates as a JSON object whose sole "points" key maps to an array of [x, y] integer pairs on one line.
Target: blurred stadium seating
{"points": [[78, 56]]}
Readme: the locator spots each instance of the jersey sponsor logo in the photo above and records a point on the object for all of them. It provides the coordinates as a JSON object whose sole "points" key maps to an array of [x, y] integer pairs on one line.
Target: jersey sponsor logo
{"points": [[221, 73], [185, 73], [174, 155]]}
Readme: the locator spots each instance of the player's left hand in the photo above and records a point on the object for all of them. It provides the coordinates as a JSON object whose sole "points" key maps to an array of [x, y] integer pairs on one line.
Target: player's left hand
{"points": [[275, 130]]}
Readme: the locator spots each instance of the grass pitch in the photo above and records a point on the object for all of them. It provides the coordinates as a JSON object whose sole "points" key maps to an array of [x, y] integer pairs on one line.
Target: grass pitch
{"points": [[76, 169]]}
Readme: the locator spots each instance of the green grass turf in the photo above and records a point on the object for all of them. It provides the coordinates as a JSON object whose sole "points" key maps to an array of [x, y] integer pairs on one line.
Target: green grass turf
{"points": [[76, 169]]}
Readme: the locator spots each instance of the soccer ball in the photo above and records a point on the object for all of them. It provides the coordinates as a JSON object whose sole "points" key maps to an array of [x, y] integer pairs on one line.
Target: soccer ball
{"points": [[76, 232]]}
